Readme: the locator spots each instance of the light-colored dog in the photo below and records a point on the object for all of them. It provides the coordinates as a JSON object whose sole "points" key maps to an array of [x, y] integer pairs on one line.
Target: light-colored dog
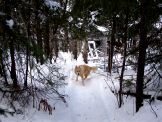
{"points": [[83, 71]]}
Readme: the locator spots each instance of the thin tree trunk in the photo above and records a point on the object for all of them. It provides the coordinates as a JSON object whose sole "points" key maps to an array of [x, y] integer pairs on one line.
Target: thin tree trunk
{"points": [[13, 64], [39, 44], [3, 67], [124, 59], [85, 51], [56, 49], [39, 55], [27, 48], [27, 57], [111, 45], [46, 40], [74, 49], [56, 43], [27, 62], [66, 41]]}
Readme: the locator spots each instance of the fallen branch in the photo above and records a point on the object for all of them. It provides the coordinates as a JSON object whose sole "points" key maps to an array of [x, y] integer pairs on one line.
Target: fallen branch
{"points": [[4, 111], [11, 91], [145, 96]]}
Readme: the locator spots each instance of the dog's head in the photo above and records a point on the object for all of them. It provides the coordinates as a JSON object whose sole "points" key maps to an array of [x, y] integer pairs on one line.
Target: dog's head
{"points": [[77, 70]]}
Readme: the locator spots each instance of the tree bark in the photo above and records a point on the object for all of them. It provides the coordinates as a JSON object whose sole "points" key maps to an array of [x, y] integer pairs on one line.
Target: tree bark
{"points": [[111, 45], [38, 28], [142, 55], [3, 67], [66, 41], [75, 53], [73, 48], [85, 51], [124, 58], [56, 48], [13, 64], [27, 49], [46, 40]]}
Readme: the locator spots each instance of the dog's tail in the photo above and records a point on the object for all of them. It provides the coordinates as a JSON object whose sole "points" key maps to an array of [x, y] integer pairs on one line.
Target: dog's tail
{"points": [[94, 68]]}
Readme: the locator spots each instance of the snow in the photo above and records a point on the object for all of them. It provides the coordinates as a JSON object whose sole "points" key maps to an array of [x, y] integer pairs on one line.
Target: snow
{"points": [[158, 24], [101, 28], [93, 102], [52, 4], [2, 13], [10, 23]]}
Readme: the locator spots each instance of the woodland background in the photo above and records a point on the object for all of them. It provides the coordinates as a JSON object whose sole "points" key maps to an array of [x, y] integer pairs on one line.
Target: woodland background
{"points": [[32, 32]]}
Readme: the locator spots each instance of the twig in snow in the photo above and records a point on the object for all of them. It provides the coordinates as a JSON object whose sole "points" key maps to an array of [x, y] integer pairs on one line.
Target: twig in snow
{"points": [[152, 108]]}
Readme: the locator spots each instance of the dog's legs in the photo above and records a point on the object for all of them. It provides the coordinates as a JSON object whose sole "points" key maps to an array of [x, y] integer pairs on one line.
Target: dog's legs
{"points": [[85, 77], [77, 78], [83, 81]]}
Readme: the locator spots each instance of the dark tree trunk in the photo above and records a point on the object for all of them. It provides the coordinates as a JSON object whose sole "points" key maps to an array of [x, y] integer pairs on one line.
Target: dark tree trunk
{"points": [[56, 48], [142, 55], [55, 43], [13, 65], [124, 58], [46, 40], [66, 41], [38, 28], [111, 45], [39, 43], [3, 67], [85, 52], [27, 49], [75, 49], [27, 62]]}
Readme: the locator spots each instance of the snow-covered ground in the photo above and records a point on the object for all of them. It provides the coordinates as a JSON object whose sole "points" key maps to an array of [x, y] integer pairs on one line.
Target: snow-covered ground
{"points": [[93, 102]]}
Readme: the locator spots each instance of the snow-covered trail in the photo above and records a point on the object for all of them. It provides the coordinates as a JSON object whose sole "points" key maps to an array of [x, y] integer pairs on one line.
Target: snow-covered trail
{"points": [[93, 102], [87, 103]]}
